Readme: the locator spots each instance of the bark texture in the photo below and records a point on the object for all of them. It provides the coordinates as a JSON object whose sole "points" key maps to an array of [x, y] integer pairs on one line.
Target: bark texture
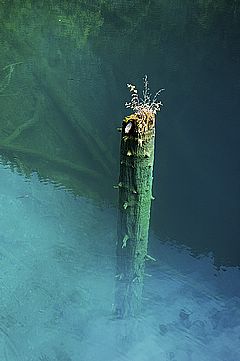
{"points": [[135, 196]]}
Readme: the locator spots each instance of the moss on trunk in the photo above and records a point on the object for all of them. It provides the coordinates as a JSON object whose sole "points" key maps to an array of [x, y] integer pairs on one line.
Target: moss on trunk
{"points": [[135, 196]]}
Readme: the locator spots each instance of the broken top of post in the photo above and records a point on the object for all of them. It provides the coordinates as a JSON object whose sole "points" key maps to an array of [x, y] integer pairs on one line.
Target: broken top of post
{"points": [[142, 121]]}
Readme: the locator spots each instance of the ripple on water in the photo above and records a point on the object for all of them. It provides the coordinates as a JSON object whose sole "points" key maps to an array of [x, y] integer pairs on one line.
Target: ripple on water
{"points": [[10, 349]]}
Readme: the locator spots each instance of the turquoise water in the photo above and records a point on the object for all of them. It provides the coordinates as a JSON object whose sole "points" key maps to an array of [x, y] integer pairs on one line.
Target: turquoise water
{"points": [[64, 67], [57, 286]]}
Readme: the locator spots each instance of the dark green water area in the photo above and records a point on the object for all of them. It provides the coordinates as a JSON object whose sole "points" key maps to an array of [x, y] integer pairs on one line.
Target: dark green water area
{"points": [[64, 66]]}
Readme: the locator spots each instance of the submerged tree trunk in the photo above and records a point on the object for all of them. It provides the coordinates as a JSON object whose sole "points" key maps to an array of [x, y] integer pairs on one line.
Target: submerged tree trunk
{"points": [[135, 196]]}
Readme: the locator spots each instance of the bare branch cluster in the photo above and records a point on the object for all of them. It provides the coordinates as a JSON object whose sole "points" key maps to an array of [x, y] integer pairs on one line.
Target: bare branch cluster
{"points": [[146, 103]]}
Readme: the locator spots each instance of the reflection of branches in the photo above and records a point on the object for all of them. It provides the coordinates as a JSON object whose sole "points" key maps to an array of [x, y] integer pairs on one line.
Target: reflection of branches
{"points": [[19, 130], [7, 72], [83, 171], [26, 125]]}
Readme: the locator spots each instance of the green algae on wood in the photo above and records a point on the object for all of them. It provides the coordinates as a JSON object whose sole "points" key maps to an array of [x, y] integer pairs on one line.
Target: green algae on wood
{"points": [[135, 197]]}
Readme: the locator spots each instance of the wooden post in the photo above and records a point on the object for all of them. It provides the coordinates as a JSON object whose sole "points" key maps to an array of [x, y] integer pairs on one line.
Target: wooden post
{"points": [[135, 197]]}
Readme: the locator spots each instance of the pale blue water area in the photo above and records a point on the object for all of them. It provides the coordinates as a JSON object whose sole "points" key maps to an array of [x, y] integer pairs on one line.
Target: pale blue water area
{"points": [[57, 254]]}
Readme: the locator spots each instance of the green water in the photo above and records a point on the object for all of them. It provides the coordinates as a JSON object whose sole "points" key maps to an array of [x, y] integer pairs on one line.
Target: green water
{"points": [[64, 66], [66, 96]]}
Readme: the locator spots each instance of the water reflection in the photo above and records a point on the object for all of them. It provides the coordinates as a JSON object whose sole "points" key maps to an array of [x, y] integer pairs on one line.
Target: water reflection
{"points": [[62, 73]]}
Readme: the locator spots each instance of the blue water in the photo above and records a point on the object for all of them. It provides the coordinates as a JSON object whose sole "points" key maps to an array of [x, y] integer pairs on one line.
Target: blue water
{"points": [[57, 254]]}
